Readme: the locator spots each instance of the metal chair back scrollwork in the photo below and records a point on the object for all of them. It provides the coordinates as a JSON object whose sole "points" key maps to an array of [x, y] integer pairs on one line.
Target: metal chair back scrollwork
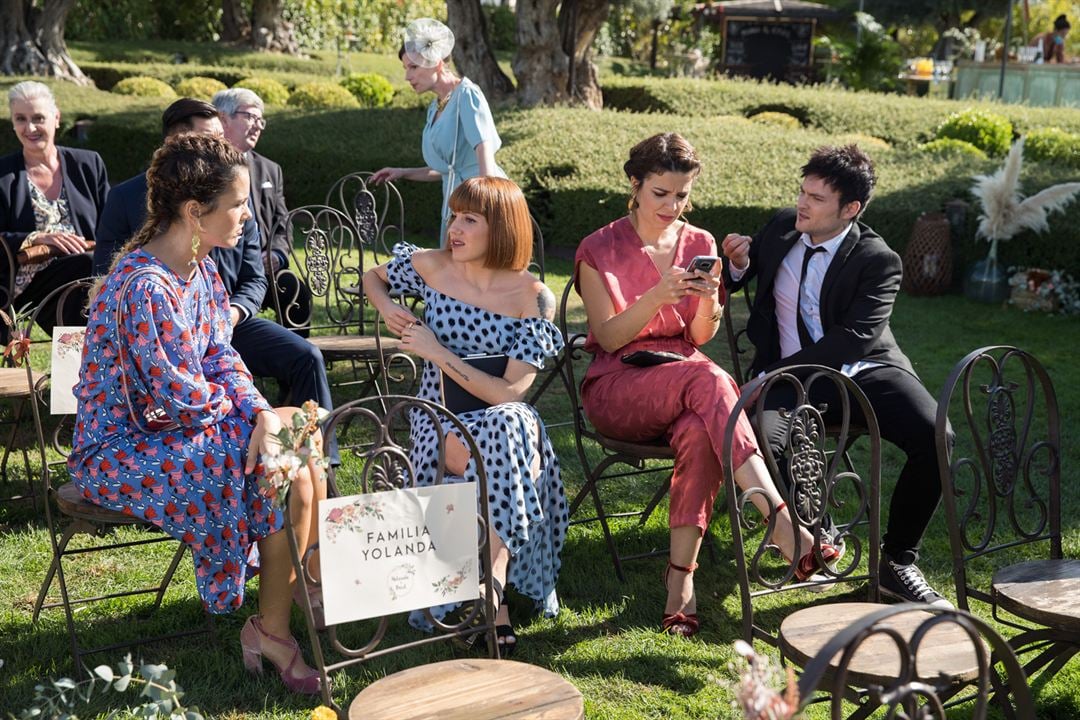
{"points": [[330, 262], [1001, 486], [376, 431], [738, 343], [820, 483], [68, 513], [908, 690], [376, 210]]}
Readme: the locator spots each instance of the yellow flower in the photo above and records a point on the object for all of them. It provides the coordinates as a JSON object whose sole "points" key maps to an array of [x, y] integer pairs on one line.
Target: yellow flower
{"points": [[323, 713]]}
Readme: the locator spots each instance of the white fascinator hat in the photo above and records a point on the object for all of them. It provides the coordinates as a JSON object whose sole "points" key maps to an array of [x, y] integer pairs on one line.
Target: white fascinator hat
{"points": [[428, 41]]}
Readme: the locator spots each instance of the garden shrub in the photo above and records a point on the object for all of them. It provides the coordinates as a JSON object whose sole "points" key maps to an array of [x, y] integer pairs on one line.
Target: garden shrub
{"points": [[1054, 145], [322, 94], [777, 118], [370, 89], [271, 91], [866, 142], [199, 87], [144, 87], [990, 132], [952, 146]]}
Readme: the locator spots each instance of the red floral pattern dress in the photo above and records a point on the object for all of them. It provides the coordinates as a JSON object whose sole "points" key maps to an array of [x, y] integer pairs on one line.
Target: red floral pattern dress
{"points": [[188, 480]]}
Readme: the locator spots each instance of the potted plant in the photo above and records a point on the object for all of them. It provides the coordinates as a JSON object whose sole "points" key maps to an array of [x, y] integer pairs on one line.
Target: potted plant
{"points": [[1004, 213]]}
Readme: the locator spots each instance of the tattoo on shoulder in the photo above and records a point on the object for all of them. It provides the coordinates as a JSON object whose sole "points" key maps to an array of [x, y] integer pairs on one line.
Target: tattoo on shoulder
{"points": [[545, 302]]}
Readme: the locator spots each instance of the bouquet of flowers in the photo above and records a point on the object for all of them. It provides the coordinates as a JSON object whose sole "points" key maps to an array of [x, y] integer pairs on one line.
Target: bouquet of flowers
{"points": [[1046, 290], [298, 445], [755, 692]]}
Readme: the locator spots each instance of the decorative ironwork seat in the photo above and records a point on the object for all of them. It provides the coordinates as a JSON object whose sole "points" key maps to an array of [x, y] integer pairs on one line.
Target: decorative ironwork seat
{"points": [[332, 267], [377, 430], [1001, 485], [912, 655]]}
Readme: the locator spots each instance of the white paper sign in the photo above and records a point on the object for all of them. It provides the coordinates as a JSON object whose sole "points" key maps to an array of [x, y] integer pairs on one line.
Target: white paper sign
{"points": [[389, 552], [67, 345]]}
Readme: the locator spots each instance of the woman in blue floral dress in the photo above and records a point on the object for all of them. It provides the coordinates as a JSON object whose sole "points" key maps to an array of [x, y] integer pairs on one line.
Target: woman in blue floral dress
{"points": [[169, 426], [478, 298]]}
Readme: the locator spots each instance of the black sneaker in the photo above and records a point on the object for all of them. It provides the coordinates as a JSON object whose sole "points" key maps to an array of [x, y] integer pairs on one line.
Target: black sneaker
{"points": [[906, 582]]}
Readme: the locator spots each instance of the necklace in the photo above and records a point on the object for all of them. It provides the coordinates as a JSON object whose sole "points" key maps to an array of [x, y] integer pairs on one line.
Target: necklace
{"points": [[440, 103]]}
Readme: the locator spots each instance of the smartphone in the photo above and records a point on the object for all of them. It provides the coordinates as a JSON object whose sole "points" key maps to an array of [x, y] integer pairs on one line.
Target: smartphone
{"points": [[704, 263]]}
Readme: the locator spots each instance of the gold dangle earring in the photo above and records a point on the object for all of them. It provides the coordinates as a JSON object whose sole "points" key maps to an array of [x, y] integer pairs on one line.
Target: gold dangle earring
{"points": [[195, 243], [632, 203]]}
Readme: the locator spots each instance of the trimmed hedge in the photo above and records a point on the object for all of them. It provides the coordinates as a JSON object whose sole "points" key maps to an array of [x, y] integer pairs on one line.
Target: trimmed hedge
{"points": [[1054, 145], [951, 147], [144, 87], [370, 89], [202, 88], [569, 160], [899, 119], [269, 90], [771, 117], [322, 95], [990, 132]]}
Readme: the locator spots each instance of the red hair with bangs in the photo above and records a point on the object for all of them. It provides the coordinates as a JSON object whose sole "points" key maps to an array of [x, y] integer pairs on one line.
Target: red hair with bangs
{"points": [[502, 205]]}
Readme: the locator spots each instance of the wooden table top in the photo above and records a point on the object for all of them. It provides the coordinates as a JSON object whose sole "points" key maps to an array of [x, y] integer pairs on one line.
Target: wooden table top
{"points": [[1044, 591], [945, 650], [470, 689]]}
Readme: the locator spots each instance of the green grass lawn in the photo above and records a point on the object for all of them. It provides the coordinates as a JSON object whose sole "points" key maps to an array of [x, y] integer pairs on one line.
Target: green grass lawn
{"points": [[606, 638]]}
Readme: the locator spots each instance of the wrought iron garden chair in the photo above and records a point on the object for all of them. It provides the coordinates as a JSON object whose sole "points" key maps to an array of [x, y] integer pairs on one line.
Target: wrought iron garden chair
{"points": [[378, 430], [907, 642], [331, 265], [1001, 485]]}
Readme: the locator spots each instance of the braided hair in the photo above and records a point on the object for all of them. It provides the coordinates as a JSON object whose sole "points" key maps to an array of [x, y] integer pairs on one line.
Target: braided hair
{"points": [[188, 166]]}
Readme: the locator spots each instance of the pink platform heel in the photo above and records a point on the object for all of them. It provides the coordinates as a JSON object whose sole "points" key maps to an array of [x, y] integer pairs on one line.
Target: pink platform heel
{"points": [[296, 675]]}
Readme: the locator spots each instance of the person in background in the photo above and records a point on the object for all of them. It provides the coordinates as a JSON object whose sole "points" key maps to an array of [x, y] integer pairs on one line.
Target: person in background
{"points": [[460, 139], [479, 298], [169, 426], [50, 199], [243, 122], [268, 349], [1051, 44], [642, 297]]}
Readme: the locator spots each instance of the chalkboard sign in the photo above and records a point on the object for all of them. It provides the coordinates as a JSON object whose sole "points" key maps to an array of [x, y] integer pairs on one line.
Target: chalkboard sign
{"points": [[777, 49]]}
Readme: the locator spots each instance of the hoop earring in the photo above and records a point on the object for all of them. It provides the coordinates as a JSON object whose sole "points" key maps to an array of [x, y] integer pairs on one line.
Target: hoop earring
{"points": [[195, 243]]}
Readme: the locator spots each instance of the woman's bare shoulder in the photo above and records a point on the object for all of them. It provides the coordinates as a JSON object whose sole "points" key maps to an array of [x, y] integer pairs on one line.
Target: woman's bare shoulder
{"points": [[536, 298]]}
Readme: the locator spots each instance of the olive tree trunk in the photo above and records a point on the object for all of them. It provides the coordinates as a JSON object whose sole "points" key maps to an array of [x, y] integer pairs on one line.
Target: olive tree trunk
{"points": [[269, 30], [472, 49], [553, 63], [235, 26], [33, 40]]}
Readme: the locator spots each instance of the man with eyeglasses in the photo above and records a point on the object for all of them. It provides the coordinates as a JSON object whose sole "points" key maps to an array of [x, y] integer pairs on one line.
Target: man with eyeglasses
{"points": [[241, 112]]}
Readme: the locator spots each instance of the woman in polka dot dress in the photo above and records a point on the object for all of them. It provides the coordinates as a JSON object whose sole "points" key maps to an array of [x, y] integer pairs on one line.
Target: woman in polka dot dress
{"points": [[479, 299], [169, 426]]}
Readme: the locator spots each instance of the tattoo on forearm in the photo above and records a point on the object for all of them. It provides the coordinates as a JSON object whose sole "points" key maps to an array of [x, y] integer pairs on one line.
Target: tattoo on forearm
{"points": [[545, 302], [458, 371]]}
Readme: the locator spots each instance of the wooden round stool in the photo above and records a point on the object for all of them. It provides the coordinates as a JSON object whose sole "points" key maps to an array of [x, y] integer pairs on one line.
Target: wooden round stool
{"points": [[470, 689], [946, 653]]}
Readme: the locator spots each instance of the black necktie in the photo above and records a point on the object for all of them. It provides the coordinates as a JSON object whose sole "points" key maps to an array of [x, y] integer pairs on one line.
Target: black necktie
{"points": [[804, 334]]}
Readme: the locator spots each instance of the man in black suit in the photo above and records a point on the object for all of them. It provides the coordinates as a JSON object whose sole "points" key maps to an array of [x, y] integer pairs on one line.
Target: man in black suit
{"points": [[826, 283], [268, 349], [241, 113]]}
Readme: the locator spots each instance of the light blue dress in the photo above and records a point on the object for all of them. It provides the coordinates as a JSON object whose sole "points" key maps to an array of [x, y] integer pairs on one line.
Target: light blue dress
{"points": [[449, 141]]}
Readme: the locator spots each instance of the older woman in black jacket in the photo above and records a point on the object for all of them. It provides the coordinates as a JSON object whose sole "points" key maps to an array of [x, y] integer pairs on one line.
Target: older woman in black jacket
{"points": [[50, 197]]}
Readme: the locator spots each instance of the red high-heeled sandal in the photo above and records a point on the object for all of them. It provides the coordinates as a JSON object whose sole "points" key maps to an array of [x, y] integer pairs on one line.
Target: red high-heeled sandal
{"points": [[808, 564], [680, 623], [252, 640]]}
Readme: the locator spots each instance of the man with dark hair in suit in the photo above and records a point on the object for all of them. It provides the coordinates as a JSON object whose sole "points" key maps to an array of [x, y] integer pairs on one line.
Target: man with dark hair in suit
{"points": [[826, 283], [268, 349], [241, 113]]}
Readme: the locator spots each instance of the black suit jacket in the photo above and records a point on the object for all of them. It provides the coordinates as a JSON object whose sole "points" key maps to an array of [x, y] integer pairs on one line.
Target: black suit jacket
{"points": [[268, 194], [240, 268], [86, 185], [857, 297]]}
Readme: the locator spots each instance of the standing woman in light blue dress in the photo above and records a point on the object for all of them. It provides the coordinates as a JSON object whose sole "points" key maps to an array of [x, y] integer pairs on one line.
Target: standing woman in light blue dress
{"points": [[459, 140]]}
